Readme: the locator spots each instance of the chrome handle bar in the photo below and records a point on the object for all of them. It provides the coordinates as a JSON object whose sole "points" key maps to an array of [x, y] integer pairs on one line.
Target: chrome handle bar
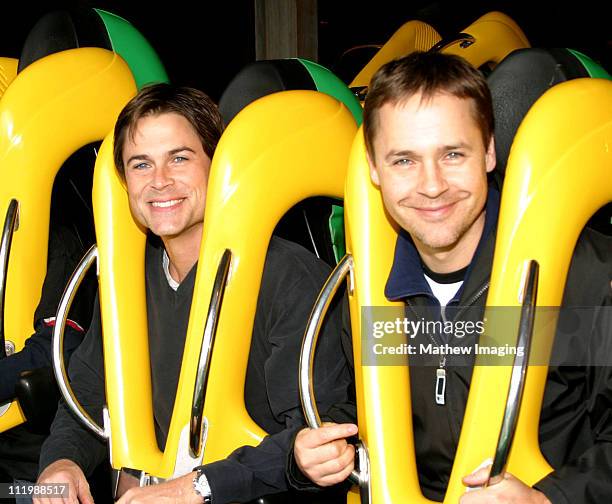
{"points": [[196, 431], [59, 367], [517, 379], [309, 343], [11, 222]]}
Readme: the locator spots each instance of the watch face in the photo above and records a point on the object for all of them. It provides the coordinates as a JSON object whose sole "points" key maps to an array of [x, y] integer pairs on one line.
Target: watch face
{"points": [[201, 486]]}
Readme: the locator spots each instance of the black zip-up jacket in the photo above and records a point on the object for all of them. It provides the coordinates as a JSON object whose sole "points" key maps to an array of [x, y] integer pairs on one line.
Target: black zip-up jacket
{"points": [[575, 423]]}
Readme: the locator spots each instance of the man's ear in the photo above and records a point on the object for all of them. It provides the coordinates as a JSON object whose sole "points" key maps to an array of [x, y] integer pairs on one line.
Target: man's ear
{"points": [[373, 171], [490, 158]]}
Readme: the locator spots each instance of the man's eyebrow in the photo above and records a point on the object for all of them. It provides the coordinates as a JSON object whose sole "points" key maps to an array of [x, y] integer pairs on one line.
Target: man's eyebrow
{"points": [[458, 145], [138, 157], [400, 153], [180, 149]]}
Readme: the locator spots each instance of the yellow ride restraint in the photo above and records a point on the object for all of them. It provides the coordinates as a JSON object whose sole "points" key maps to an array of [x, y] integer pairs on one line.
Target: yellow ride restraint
{"points": [[489, 40], [54, 107], [8, 71], [278, 151]]}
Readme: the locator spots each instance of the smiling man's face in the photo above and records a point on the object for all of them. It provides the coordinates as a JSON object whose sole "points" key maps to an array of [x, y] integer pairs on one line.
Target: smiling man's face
{"points": [[430, 163], [166, 172]]}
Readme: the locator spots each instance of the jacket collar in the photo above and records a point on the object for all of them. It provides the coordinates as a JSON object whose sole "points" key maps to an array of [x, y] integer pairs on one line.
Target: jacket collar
{"points": [[407, 280]]}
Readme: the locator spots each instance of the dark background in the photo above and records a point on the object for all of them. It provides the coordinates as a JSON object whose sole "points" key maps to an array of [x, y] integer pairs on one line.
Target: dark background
{"points": [[205, 43]]}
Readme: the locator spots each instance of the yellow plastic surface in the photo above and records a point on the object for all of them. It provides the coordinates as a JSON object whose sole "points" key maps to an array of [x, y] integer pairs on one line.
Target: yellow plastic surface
{"points": [[8, 71], [411, 36], [278, 151], [557, 176], [496, 35], [383, 392], [51, 109]]}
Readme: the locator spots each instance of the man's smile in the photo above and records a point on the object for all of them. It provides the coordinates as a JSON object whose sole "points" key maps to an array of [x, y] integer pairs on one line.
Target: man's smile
{"points": [[166, 203]]}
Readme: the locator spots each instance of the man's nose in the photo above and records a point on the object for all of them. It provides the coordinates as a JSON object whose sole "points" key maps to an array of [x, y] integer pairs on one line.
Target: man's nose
{"points": [[432, 182], [162, 177]]}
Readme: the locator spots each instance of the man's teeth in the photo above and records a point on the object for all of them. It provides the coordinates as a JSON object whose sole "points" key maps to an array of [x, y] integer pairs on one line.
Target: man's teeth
{"points": [[166, 204]]}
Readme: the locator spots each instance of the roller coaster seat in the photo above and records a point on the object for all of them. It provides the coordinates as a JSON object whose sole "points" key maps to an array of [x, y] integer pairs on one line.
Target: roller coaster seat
{"points": [[62, 30], [71, 198], [518, 81], [312, 223], [57, 31]]}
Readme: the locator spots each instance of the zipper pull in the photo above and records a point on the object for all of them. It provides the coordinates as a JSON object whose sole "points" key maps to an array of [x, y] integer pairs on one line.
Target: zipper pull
{"points": [[440, 385]]}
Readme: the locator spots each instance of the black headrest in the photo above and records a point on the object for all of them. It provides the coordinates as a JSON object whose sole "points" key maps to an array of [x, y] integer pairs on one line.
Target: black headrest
{"points": [[262, 78], [63, 30], [518, 81]]}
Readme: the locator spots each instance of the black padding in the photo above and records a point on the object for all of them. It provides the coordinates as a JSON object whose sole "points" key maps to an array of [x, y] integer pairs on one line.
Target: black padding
{"points": [[262, 78], [307, 223], [38, 394], [63, 30], [71, 204], [518, 81]]}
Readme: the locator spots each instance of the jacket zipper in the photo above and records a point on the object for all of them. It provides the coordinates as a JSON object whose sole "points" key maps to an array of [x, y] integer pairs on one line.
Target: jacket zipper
{"points": [[440, 388]]}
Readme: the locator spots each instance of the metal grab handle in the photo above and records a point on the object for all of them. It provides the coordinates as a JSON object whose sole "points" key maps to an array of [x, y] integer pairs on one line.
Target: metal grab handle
{"points": [[59, 367], [196, 431], [309, 343], [517, 379], [11, 222], [465, 38]]}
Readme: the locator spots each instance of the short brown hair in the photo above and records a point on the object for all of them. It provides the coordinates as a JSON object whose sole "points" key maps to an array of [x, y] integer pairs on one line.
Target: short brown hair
{"points": [[194, 105], [427, 73]]}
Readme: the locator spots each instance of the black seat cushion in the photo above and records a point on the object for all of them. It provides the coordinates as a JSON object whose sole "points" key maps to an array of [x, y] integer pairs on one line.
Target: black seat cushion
{"points": [[308, 222], [63, 30], [260, 79], [518, 81]]}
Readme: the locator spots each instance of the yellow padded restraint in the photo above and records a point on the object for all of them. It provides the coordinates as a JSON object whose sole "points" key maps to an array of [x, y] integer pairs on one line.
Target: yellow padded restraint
{"points": [[495, 35], [8, 71], [278, 151], [54, 107]]}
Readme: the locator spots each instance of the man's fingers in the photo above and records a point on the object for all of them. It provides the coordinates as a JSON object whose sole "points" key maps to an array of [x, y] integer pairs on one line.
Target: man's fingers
{"points": [[340, 463], [67, 473], [309, 459], [313, 438], [323, 454], [337, 470], [477, 478], [480, 475], [84, 495]]}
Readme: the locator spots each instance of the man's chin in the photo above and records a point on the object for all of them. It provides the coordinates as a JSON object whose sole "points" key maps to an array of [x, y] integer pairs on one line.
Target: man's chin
{"points": [[164, 231], [435, 242]]}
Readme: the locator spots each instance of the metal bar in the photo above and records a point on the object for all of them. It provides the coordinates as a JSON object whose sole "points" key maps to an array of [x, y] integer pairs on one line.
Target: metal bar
{"points": [[59, 367], [517, 379], [465, 38], [208, 340], [309, 344], [10, 222]]}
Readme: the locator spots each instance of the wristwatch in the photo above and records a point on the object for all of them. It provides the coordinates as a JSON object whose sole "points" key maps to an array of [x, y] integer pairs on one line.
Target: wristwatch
{"points": [[202, 487]]}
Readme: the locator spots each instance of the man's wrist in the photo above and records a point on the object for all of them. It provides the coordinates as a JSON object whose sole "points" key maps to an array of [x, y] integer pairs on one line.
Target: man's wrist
{"points": [[202, 487]]}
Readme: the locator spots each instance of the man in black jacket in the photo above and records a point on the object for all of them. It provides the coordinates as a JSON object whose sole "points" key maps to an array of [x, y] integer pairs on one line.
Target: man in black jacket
{"points": [[428, 126], [165, 138]]}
